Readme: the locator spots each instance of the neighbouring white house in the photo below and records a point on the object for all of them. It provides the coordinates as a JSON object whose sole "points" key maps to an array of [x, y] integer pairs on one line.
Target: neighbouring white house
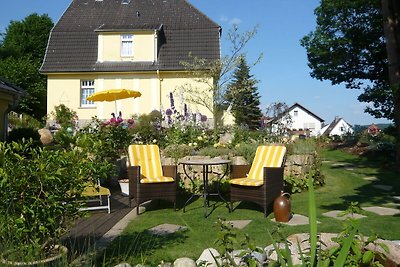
{"points": [[338, 127], [298, 118]]}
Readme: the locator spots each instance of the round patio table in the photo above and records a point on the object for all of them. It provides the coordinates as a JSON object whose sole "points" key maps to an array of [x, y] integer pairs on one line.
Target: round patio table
{"points": [[206, 163]]}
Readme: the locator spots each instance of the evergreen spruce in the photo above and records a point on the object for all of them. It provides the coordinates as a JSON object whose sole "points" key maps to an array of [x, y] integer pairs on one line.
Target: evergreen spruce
{"points": [[242, 94]]}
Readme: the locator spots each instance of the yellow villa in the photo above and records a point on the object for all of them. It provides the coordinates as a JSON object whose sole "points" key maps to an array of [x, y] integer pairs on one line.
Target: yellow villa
{"points": [[139, 45]]}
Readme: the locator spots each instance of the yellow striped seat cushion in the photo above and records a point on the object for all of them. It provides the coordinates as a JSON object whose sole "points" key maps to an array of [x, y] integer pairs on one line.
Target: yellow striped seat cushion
{"points": [[247, 182], [162, 179], [148, 158], [266, 156]]}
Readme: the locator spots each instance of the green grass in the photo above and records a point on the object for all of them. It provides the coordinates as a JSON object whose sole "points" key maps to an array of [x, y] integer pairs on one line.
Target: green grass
{"points": [[342, 187]]}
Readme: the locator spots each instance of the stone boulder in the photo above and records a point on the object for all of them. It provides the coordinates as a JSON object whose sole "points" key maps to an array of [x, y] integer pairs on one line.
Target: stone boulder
{"points": [[45, 136], [184, 262]]}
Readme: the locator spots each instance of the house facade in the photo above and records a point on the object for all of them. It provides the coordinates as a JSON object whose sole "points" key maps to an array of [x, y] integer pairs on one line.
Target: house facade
{"points": [[127, 44], [338, 127], [298, 119], [9, 97]]}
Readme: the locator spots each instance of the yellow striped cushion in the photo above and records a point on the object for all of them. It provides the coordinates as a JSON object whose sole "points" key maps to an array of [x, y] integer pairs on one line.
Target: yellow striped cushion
{"points": [[266, 156], [162, 179], [247, 182], [148, 158]]}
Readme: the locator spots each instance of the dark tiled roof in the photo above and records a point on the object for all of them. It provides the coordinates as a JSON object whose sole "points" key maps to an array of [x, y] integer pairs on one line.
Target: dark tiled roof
{"points": [[73, 41], [8, 87]]}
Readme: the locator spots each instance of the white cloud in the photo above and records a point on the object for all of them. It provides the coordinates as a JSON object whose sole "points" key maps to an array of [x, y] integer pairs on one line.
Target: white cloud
{"points": [[235, 21], [231, 21]]}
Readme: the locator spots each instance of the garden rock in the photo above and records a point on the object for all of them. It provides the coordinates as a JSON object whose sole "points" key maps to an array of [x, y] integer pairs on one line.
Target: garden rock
{"points": [[393, 254], [207, 257], [226, 139], [165, 264], [124, 264], [241, 261], [299, 165], [239, 160], [327, 243], [45, 136], [184, 262]]}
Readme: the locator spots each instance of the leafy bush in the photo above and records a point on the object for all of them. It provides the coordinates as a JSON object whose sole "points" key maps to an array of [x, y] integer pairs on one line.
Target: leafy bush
{"points": [[214, 152], [248, 151], [147, 129], [104, 141], [18, 134], [39, 188], [190, 134], [16, 120], [178, 151], [64, 138], [64, 116], [302, 146], [243, 135]]}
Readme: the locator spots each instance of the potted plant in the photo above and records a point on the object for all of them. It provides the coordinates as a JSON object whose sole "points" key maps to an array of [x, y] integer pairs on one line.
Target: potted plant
{"points": [[39, 199]]}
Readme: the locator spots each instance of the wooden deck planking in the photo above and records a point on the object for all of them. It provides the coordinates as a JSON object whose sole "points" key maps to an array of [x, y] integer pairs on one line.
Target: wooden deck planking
{"points": [[88, 230]]}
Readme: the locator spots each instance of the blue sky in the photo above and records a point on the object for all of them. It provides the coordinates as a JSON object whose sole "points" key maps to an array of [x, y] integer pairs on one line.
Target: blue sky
{"points": [[283, 73]]}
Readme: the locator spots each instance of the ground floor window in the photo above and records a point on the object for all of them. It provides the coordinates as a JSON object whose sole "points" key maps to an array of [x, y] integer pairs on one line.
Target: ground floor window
{"points": [[87, 88]]}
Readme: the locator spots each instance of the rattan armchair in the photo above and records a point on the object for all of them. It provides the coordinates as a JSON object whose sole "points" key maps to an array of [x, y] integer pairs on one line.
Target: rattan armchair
{"points": [[148, 180], [262, 181]]}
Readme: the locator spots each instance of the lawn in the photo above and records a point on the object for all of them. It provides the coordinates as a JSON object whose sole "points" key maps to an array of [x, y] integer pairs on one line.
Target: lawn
{"points": [[345, 183]]}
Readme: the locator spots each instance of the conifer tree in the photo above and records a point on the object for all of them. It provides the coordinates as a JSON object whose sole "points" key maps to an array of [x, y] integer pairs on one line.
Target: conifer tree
{"points": [[242, 94]]}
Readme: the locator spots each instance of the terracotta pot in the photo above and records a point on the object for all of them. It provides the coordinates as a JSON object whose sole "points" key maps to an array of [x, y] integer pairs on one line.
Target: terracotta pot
{"points": [[282, 208]]}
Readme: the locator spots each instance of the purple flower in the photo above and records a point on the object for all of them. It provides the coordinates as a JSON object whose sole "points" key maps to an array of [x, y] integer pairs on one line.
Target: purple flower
{"points": [[185, 110], [171, 97], [203, 118], [168, 112]]}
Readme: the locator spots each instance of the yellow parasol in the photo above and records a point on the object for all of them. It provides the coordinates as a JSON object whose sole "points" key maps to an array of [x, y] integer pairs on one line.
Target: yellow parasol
{"points": [[113, 95]]}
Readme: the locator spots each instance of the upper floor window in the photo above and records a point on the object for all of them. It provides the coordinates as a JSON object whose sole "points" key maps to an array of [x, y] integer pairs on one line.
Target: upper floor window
{"points": [[296, 113], [126, 45], [87, 89]]}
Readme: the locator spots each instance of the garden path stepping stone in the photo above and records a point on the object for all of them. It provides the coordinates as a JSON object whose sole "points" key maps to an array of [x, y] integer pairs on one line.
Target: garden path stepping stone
{"points": [[396, 198], [297, 219], [383, 187], [371, 178], [335, 213], [239, 224], [382, 210], [166, 228]]}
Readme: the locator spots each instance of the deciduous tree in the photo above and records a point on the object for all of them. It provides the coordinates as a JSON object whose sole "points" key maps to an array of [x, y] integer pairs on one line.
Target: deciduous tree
{"points": [[214, 76], [21, 54], [348, 46]]}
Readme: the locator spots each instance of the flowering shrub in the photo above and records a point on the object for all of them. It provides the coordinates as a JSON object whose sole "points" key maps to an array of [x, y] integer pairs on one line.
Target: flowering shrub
{"points": [[148, 130]]}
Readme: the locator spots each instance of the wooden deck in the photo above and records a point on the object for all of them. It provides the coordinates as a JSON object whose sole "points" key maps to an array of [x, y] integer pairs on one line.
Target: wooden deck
{"points": [[88, 230]]}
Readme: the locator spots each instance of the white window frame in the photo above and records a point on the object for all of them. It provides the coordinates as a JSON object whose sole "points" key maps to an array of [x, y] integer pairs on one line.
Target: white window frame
{"points": [[126, 45], [87, 88]]}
